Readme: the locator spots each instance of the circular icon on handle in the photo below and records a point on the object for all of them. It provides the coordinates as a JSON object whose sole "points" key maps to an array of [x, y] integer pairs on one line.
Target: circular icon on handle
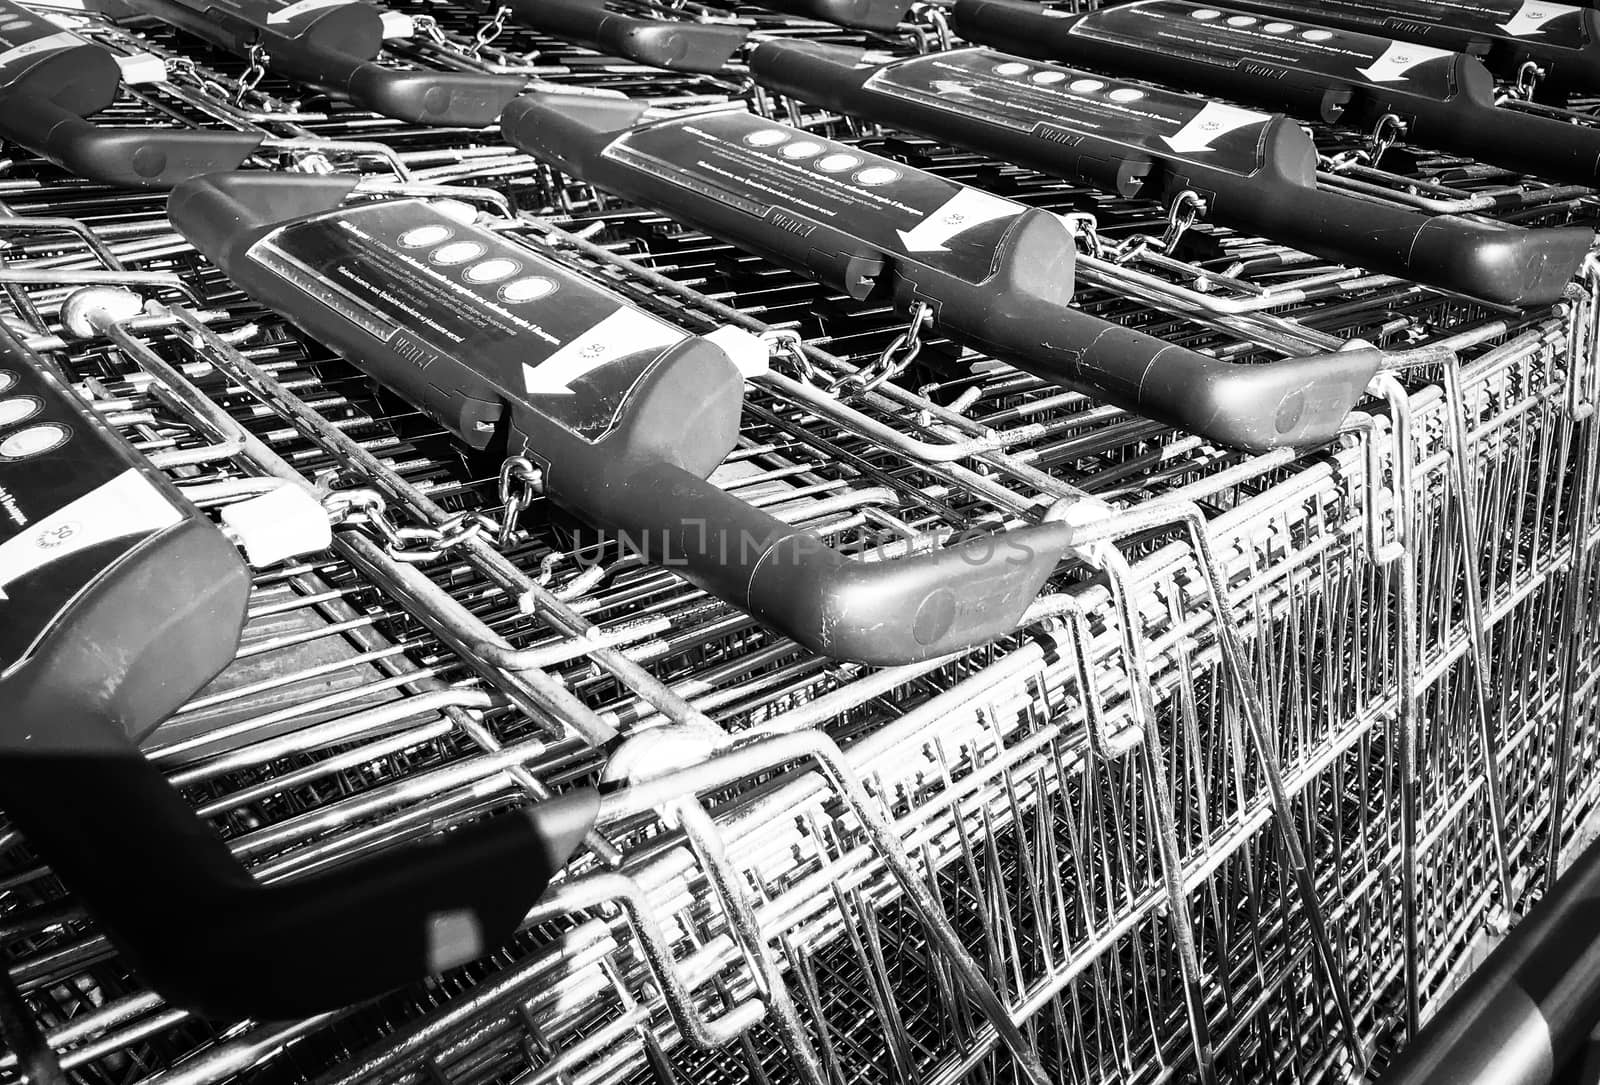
{"points": [[873, 176], [19, 409], [457, 252], [34, 441], [425, 237], [531, 288], [492, 271]]}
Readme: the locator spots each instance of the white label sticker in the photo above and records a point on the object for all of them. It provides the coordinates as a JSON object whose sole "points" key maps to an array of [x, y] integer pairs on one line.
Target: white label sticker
{"points": [[1399, 59], [626, 331], [300, 7], [1211, 124], [969, 207], [1533, 17], [50, 43], [127, 505]]}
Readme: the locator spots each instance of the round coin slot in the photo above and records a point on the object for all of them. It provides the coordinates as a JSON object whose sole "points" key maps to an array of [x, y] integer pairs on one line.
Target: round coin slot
{"points": [[8, 380], [19, 409], [877, 175], [767, 137], [1086, 86], [425, 237], [531, 288], [802, 149], [837, 163], [1125, 94], [491, 271], [1048, 78], [1010, 68], [457, 252], [34, 441]]}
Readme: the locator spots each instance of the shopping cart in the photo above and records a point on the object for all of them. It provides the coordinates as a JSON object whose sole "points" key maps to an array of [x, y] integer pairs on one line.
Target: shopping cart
{"points": [[1089, 804]]}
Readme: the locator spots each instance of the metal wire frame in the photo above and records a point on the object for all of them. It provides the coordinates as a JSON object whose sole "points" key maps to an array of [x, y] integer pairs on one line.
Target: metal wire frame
{"points": [[1181, 805], [1540, 414]]}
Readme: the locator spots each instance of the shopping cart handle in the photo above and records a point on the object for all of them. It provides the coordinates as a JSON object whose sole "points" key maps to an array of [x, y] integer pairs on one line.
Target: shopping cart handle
{"points": [[51, 80], [439, 99], [1257, 170], [662, 43], [334, 46], [882, 612], [118, 601], [1525, 1013], [1445, 99], [209, 938], [877, 15], [126, 157]]}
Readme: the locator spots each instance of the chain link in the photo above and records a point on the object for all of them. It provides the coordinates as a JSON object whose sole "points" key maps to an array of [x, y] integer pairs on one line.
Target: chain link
{"points": [[1528, 77], [1185, 211], [520, 483], [429, 28], [786, 343], [1384, 134], [894, 360], [489, 31], [253, 74], [412, 545]]}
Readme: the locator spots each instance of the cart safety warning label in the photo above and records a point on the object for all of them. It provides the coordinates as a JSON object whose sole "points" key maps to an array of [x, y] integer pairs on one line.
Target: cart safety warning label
{"points": [[1058, 103], [1258, 44], [797, 182], [1539, 22], [468, 307]]}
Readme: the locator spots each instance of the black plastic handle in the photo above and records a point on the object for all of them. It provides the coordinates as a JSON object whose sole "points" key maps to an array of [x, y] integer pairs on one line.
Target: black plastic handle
{"points": [[211, 939], [1269, 186], [1529, 1008], [880, 16], [434, 98], [126, 157], [104, 641], [1566, 45], [661, 43], [1446, 101], [1019, 312], [882, 612]]}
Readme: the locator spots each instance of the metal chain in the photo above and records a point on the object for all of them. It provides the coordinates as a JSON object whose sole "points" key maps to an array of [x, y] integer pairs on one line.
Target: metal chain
{"points": [[429, 27], [520, 483], [1388, 129], [1085, 229], [786, 343], [1528, 77], [489, 31], [1185, 211], [253, 74], [892, 362], [412, 545]]}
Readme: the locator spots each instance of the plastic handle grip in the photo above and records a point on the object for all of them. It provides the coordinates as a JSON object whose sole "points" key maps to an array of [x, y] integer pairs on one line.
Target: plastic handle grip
{"points": [[896, 610], [209, 938]]}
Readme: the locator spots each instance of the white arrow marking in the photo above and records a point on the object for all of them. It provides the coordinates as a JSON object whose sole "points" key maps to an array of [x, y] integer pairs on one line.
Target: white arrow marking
{"points": [[967, 208], [1533, 16], [1211, 124], [47, 44], [127, 505], [950, 86], [624, 332], [1399, 59], [300, 7]]}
